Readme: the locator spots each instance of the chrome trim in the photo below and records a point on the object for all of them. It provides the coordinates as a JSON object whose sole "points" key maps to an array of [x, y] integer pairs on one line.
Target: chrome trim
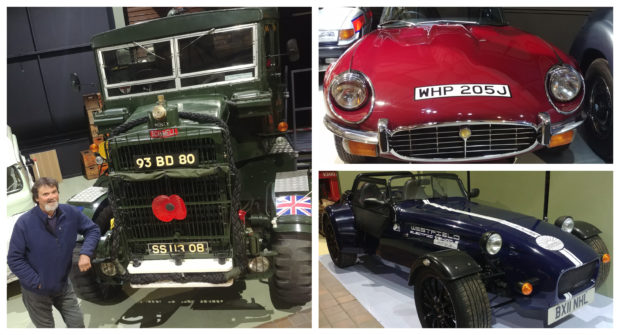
{"points": [[564, 126], [545, 126], [383, 138], [583, 90], [368, 137], [327, 97]]}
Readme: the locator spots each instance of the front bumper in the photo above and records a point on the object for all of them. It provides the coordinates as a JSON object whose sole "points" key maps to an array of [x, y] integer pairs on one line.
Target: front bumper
{"points": [[544, 128]]}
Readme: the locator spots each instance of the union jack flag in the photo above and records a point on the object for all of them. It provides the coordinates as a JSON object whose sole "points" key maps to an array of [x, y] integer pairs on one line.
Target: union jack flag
{"points": [[294, 205]]}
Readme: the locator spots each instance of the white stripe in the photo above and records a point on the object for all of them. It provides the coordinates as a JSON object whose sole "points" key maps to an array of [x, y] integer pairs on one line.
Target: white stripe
{"points": [[567, 296], [504, 222], [571, 257]]}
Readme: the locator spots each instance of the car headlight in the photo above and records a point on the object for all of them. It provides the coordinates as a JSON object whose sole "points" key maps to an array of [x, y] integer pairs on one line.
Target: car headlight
{"points": [[566, 223], [350, 91], [491, 243], [564, 83]]}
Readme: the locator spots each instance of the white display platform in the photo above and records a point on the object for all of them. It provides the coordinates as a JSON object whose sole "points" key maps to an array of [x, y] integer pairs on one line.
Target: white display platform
{"points": [[381, 287]]}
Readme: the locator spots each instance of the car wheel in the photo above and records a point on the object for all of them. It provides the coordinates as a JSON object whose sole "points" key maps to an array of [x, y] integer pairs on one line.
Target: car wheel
{"points": [[291, 283], [339, 258], [88, 287], [345, 156], [598, 127], [461, 303], [596, 243]]}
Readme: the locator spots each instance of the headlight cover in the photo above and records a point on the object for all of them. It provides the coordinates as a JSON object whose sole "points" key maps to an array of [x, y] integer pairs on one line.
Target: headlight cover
{"points": [[350, 91], [492, 243], [566, 223], [564, 83]]}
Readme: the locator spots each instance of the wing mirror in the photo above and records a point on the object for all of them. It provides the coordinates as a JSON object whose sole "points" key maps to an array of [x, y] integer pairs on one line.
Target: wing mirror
{"points": [[474, 193]]}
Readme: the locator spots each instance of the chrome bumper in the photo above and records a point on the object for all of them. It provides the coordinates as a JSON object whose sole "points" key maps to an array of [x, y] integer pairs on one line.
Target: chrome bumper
{"points": [[380, 137]]}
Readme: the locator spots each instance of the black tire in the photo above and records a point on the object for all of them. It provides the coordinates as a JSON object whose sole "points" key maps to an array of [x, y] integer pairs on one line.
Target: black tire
{"points": [[596, 243], [345, 156], [459, 303], [291, 283], [598, 126], [103, 219], [87, 287], [339, 258]]}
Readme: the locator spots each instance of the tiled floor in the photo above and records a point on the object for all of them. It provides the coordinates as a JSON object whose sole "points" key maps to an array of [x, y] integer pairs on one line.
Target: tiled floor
{"points": [[302, 319], [337, 307]]}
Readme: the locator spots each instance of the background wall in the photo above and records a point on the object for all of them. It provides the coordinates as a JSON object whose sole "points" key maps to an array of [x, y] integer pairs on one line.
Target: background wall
{"points": [[585, 195]]}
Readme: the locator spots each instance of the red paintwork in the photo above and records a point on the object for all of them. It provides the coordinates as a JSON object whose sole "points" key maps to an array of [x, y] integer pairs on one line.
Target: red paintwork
{"points": [[333, 189], [396, 60]]}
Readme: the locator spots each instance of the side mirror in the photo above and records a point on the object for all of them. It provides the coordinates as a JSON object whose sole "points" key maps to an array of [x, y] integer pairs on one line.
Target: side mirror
{"points": [[373, 202], [292, 50], [474, 193], [75, 82]]}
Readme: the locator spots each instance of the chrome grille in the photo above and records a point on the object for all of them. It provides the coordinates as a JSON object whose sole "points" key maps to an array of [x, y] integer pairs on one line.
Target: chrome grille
{"points": [[444, 142]]}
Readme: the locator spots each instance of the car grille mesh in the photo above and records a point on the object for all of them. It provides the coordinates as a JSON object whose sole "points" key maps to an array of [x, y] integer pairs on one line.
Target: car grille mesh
{"points": [[207, 200], [444, 142], [577, 278]]}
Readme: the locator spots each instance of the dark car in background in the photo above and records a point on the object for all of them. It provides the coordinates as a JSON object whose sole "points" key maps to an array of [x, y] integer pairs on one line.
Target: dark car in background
{"points": [[593, 48], [458, 250]]}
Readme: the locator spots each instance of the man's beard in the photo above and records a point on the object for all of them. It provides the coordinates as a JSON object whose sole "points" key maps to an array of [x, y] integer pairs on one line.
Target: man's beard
{"points": [[51, 206]]}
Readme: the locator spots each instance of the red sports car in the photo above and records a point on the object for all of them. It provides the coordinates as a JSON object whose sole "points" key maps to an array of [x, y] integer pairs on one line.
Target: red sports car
{"points": [[450, 85]]}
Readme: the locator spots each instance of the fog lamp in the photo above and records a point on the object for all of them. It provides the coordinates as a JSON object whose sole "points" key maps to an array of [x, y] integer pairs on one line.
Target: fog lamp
{"points": [[259, 264], [360, 149], [561, 139], [108, 269]]}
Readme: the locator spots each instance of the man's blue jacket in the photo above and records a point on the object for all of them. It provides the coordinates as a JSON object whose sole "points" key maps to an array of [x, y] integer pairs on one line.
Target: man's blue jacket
{"points": [[39, 257]]}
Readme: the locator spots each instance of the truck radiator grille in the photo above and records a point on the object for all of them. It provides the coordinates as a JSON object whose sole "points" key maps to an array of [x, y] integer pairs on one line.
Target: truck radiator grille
{"points": [[207, 200], [123, 150], [444, 142], [577, 279]]}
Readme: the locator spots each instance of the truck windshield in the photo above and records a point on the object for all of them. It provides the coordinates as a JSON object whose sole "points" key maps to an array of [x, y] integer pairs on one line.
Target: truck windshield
{"points": [[211, 57], [408, 16], [426, 187]]}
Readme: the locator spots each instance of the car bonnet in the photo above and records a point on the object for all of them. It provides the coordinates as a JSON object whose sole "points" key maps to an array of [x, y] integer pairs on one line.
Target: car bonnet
{"points": [[399, 60]]}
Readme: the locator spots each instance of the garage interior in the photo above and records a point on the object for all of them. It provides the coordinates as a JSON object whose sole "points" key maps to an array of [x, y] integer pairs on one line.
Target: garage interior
{"points": [[53, 91], [585, 195]]}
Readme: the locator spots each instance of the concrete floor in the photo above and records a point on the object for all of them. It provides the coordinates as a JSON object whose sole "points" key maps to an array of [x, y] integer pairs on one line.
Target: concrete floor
{"points": [[578, 151], [235, 307]]}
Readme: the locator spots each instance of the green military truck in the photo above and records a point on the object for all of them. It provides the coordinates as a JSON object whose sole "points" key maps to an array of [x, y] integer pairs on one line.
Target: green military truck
{"points": [[201, 187]]}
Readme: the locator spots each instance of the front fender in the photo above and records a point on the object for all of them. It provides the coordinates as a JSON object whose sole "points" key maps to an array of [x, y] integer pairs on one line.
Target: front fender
{"points": [[293, 224], [343, 221], [90, 201], [448, 264], [584, 230]]}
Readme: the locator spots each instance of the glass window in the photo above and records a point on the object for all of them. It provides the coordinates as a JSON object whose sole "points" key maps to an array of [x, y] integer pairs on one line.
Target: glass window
{"points": [[139, 62], [14, 182]]}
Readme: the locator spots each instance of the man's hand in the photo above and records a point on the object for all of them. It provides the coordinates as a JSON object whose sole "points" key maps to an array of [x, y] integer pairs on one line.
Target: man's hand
{"points": [[84, 263]]}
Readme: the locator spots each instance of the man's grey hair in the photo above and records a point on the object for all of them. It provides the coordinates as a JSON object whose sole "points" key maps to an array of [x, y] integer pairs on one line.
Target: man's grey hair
{"points": [[50, 182]]}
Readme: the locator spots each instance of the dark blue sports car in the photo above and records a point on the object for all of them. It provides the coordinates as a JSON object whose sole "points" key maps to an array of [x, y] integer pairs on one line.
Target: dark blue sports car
{"points": [[459, 250]]}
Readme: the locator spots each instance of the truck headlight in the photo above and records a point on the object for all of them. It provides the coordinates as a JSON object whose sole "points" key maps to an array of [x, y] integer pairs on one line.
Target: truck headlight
{"points": [[108, 269], [491, 243], [564, 83], [566, 223]]}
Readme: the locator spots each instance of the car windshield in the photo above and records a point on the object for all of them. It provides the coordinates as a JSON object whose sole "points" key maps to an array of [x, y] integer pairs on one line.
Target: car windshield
{"points": [[212, 57], [408, 16], [421, 187]]}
